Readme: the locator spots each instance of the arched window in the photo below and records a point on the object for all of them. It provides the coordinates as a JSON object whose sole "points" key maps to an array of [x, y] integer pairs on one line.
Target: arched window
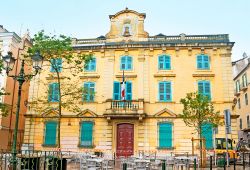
{"points": [[126, 63], [164, 62]]}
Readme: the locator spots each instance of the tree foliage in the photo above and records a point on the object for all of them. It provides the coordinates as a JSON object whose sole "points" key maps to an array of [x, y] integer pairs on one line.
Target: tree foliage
{"points": [[53, 48], [198, 110]]}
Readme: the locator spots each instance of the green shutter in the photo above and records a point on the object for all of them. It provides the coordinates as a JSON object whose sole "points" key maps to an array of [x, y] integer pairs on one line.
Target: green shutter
{"points": [[207, 133], [50, 133], [204, 88], [167, 63], [199, 61], [53, 94], [86, 133], [91, 65], [116, 91], [165, 135], [161, 91], [165, 91], [89, 91], [128, 91]]}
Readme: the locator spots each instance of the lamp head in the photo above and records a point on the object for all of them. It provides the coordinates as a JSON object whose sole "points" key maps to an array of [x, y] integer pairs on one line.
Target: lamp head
{"points": [[37, 60], [9, 62]]}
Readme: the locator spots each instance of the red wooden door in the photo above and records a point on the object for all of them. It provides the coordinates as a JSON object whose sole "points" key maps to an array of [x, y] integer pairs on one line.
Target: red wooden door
{"points": [[125, 140]]}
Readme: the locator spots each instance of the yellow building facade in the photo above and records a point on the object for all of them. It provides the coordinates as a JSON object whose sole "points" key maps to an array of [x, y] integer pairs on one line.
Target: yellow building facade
{"points": [[159, 71]]}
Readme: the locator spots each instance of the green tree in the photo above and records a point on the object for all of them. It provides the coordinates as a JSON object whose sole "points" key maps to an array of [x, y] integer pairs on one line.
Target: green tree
{"points": [[54, 48], [198, 110]]}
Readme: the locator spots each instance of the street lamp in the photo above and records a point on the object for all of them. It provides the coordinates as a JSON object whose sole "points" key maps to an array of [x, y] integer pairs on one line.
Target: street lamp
{"points": [[9, 62]]}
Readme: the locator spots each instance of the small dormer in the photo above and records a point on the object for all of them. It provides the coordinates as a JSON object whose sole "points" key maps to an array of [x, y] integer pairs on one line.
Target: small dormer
{"points": [[127, 25]]}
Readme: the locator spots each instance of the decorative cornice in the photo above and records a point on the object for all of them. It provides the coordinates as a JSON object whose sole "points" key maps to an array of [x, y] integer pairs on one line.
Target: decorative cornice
{"points": [[127, 76], [90, 76], [53, 77], [203, 75], [165, 75]]}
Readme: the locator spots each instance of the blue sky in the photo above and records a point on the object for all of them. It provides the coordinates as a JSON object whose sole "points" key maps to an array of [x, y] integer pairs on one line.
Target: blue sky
{"points": [[89, 18]]}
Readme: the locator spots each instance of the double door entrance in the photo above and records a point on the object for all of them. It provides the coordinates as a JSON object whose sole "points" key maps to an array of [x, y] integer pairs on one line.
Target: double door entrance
{"points": [[125, 140]]}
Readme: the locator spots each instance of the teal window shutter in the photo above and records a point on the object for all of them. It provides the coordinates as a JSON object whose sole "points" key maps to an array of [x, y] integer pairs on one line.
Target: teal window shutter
{"points": [[56, 64], [126, 63], [164, 62], [89, 91], [128, 90], [207, 133], [165, 91], [204, 89], [53, 92], [91, 65], [50, 133], [165, 135], [203, 62], [86, 134], [117, 91]]}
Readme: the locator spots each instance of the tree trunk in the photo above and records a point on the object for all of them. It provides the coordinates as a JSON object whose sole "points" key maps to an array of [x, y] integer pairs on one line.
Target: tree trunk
{"points": [[200, 139]]}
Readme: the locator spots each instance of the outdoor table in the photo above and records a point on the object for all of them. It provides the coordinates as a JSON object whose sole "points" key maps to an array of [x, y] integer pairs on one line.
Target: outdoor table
{"points": [[182, 161]]}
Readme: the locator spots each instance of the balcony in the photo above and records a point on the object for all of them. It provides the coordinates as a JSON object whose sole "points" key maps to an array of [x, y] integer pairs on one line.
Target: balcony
{"points": [[236, 92], [243, 86], [124, 109]]}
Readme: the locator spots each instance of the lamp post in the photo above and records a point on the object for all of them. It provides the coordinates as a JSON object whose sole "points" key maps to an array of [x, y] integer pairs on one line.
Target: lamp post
{"points": [[9, 62]]}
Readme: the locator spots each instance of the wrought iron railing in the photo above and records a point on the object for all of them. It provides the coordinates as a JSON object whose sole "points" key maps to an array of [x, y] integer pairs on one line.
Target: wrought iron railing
{"points": [[124, 106], [35, 160]]}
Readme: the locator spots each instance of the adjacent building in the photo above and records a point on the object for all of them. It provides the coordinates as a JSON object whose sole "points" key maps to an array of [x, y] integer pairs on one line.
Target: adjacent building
{"points": [[241, 73], [159, 70], [10, 41]]}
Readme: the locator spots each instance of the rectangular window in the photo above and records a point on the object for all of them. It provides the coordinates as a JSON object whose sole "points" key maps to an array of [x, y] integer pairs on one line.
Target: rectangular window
{"points": [[207, 133], [244, 80], [246, 99], [240, 123], [204, 89], [126, 63], [86, 138], [53, 92], [164, 62], [248, 122], [165, 91], [117, 91], [56, 65], [203, 62], [237, 86], [50, 133], [165, 135], [88, 92], [238, 103], [90, 65]]}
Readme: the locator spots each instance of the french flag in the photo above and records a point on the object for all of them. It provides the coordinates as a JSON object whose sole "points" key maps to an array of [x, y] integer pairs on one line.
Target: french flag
{"points": [[123, 86]]}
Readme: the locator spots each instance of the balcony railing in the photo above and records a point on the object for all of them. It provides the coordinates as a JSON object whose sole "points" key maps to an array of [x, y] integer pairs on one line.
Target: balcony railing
{"points": [[243, 86], [125, 106]]}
